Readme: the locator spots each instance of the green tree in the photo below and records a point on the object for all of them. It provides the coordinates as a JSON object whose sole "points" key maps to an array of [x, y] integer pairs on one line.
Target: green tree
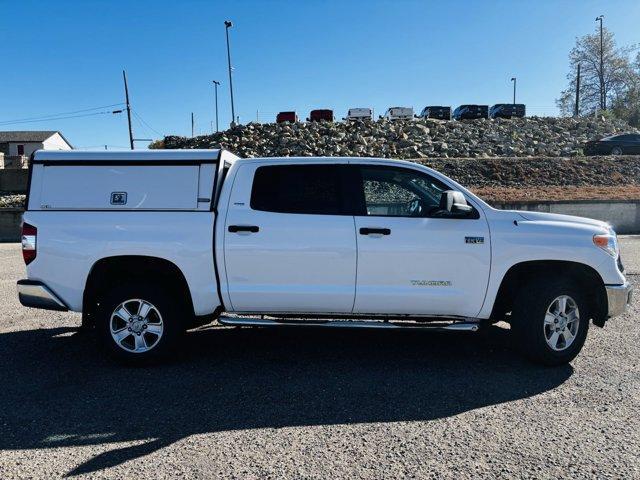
{"points": [[619, 74]]}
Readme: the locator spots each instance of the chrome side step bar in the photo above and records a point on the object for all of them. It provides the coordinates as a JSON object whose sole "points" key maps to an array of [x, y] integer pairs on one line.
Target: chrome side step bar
{"points": [[264, 322]]}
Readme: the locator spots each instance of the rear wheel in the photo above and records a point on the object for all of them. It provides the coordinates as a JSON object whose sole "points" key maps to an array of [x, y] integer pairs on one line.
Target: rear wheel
{"points": [[616, 151], [551, 321], [139, 323]]}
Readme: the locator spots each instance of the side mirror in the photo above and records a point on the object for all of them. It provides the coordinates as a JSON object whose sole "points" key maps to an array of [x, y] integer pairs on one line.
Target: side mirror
{"points": [[454, 202]]}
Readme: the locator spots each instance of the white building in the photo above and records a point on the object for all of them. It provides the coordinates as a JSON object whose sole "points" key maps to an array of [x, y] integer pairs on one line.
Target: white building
{"points": [[24, 143]]}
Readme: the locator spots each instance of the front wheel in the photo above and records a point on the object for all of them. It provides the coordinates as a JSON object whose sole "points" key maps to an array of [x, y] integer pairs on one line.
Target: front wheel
{"points": [[139, 323], [551, 321]]}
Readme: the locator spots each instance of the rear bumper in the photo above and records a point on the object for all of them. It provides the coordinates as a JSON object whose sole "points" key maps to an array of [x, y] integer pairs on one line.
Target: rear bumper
{"points": [[619, 298], [35, 294]]}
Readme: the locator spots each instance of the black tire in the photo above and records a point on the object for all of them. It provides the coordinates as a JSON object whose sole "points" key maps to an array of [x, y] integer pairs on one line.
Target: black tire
{"points": [[616, 151], [528, 320], [168, 313]]}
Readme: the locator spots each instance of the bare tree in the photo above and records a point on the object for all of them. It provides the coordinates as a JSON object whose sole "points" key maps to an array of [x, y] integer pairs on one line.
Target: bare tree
{"points": [[618, 74]]}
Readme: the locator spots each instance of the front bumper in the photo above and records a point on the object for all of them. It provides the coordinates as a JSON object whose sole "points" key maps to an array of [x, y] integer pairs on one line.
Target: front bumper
{"points": [[35, 294], [619, 298]]}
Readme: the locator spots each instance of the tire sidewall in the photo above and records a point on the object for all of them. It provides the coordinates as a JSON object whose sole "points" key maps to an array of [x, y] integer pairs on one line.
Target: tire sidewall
{"points": [[159, 296], [529, 313]]}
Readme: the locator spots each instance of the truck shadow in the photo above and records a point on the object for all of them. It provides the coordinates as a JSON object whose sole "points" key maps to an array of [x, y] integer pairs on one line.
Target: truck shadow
{"points": [[56, 391]]}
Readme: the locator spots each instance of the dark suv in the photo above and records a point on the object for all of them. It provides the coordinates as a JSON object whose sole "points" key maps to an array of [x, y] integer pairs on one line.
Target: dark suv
{"points": [[440, 113], [507, 110], [466, 112]]}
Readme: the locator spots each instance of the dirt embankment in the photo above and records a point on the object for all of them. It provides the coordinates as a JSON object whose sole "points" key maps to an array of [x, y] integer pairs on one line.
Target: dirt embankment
{"points": [[545, 178]]}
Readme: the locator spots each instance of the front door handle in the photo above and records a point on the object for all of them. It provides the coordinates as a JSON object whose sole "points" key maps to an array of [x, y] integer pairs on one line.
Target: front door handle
{"points": [[243, 228], [375, 231]]}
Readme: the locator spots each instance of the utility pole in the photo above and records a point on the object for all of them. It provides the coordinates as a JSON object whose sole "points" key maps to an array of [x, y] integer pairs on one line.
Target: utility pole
{"points": [[603, 96], [513, 79], [215, 86], [576, 111], [257, 116], [191, 124], [227, 26], [126, 95]]}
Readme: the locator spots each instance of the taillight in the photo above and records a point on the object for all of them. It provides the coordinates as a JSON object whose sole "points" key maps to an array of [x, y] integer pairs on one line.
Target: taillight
{"points": [[29, 235]]}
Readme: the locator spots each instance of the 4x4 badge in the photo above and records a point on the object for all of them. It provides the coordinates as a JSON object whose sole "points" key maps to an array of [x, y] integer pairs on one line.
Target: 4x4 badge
{"points": [[473, 239]]}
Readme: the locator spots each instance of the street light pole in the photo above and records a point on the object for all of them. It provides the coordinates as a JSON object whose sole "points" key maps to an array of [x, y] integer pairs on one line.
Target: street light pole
{"points": [[215, 86], [513, 79], [227, 25], [603, 97]]}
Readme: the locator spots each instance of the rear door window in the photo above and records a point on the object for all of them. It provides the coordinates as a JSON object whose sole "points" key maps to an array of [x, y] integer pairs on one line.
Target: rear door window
{"points": [[302, 189]]}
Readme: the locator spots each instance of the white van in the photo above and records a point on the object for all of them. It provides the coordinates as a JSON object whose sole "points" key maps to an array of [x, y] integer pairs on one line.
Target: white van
{"points": [[359, 114], [399, 113]]}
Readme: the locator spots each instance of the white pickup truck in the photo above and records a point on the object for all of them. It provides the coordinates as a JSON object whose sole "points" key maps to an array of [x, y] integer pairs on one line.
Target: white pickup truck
{"points": [[147, 244]]}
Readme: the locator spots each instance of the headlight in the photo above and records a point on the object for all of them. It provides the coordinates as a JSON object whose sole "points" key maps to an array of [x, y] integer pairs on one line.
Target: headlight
{"points": [[607, 242]]}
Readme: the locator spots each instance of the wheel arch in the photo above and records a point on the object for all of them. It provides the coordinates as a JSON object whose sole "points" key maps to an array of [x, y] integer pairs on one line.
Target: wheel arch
{"points": [[111, 269], [586, 276]]}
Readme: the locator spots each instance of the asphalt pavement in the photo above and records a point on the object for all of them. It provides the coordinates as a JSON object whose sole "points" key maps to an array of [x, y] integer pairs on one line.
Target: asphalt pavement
{"points": [[261, 403]]}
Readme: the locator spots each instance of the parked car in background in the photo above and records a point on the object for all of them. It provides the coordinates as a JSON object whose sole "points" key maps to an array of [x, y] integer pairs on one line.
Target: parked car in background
{"points": [[322, 242], [437, 112], [320, 115], [359, 114], [286, 117], [507, 110], [469, 112], [399, 113], [623, 144]]}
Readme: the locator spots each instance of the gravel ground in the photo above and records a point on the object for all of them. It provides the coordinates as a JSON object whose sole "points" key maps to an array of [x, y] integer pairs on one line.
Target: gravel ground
{"points": [[249, 403]]}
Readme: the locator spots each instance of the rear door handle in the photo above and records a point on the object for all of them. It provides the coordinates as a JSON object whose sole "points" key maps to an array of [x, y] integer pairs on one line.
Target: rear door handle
{"points": [[375, 231], [243, 228]]}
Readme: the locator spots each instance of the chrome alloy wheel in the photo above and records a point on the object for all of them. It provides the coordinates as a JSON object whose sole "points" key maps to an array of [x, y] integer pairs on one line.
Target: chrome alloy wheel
{"points": [[136, 325], [561, 323]]}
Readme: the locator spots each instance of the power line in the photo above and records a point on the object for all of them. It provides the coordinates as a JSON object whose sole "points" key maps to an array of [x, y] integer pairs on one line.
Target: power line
{"points": [[60, 118], [137, 115], [52, 115]]}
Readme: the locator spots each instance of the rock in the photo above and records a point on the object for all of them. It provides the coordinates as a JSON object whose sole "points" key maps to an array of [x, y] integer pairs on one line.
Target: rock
{"points": [[477, 138]]}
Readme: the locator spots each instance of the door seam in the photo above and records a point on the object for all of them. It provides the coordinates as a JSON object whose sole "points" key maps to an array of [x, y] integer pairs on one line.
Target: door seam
{"points": [[355, 285]]}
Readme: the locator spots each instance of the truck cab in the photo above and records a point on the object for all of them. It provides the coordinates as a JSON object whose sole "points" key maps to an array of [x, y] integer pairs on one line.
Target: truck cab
{"points": [[147, 244], [320, 115], [290, 117]]}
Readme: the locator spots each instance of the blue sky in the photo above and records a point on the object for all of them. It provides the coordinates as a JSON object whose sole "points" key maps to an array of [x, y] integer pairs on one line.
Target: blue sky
{"points": [[67, 56]]}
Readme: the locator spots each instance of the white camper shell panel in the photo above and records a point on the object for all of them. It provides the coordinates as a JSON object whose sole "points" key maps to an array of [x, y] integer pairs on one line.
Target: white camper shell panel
{"points": [[140, 180], [70, 187]]}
